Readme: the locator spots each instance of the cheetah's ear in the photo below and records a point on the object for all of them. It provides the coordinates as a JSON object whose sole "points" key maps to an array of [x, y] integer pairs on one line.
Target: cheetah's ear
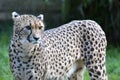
{"points": [[41, 17], [15, 15]]}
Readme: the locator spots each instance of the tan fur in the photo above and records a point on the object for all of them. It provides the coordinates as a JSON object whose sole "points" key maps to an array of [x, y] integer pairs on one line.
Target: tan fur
{"points": [[59, 53]]}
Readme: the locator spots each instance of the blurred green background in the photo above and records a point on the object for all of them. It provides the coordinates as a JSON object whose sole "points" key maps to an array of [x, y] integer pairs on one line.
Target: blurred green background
{"points": [[58, 12]]}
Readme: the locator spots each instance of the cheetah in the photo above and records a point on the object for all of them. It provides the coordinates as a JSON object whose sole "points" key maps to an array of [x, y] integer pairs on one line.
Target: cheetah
{"points": [[61, 53]]}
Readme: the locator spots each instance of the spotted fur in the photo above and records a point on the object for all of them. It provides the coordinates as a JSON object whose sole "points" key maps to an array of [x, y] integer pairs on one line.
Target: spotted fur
{"points": [[57, 54]]}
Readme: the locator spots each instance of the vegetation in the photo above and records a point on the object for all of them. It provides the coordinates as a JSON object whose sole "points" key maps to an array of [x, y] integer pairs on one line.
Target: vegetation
{"points": [[113, 57], [5, 32]]}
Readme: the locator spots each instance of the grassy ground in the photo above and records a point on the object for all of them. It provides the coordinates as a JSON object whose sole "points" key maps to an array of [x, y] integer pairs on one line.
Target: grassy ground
{"points": [[113, 57], [5, 32]]}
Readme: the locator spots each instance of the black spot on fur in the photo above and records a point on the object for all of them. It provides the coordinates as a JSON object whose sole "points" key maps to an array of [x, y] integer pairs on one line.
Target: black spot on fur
{"points": [[91, 70], [92, 49], [99, 73], [30, 77]]}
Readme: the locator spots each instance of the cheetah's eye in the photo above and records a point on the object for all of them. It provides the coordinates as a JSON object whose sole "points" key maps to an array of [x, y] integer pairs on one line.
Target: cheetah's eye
{"points": [[28, 27], [40, 27]]}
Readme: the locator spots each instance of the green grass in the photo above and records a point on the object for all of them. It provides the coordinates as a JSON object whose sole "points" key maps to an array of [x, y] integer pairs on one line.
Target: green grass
{"points": [[5, 73], [113, 63], [4, 64], [113, 57]]}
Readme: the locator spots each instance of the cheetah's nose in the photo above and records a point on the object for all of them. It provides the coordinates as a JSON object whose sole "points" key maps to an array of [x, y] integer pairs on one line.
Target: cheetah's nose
{"points": [[36, 38]]}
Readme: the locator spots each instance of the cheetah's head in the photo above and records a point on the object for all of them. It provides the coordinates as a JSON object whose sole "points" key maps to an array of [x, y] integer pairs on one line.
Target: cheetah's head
{"points": [[28, 28]]}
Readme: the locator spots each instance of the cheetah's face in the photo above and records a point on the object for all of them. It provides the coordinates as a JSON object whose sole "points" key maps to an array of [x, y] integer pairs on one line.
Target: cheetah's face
{"points": [[28, 27]]}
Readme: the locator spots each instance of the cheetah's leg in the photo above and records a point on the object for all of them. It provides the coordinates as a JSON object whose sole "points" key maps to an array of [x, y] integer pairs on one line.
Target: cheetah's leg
{"points": [[96, 67], [78, 75]]}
